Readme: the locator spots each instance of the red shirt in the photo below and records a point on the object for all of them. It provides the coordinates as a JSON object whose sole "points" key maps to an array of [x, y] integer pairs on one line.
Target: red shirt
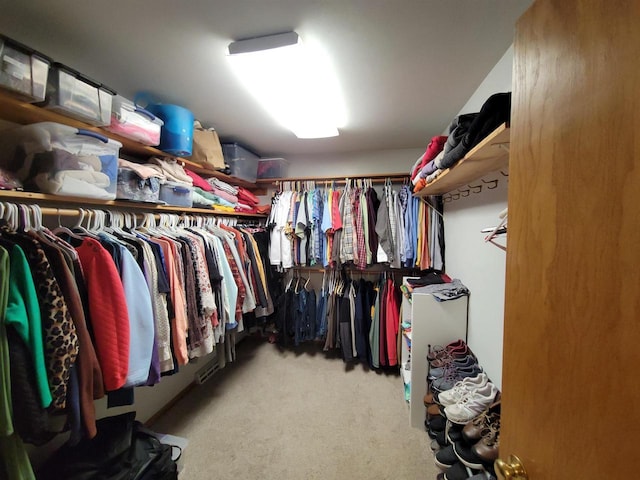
{"points": [[108, 310]]}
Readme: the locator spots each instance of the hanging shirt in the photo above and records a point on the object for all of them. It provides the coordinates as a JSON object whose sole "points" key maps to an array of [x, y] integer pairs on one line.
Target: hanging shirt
{"points": [[140, 314], [109, 313]]}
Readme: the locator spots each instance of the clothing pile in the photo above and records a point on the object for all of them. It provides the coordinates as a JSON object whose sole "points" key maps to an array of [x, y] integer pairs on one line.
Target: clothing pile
{"points": [[353, 225], [440, 285], [465, 132], [356, 317], [88, 312], [222, 196]]}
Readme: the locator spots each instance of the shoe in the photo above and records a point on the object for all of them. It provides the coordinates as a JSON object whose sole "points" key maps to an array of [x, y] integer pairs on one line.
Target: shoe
{"points": [[472, 431], [460, 389], [441, 438], [448, 382], [437, 423], [466, 455], [455, 363], [472, 404], [487, 449], [438, 351], [453, 433], [458, 471], [445, 458], [434, 409]]}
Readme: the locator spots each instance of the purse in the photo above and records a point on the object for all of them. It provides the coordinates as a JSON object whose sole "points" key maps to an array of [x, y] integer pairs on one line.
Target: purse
{"points": [[207, 150]]}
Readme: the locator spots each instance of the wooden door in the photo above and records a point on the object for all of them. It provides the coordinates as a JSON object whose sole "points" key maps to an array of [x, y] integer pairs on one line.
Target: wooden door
{"points": [[571, 374]]}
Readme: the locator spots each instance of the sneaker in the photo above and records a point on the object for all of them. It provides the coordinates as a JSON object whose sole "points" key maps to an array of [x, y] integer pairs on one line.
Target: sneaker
{"points": [[457, 349], [458, 471], [445, 458], [455, 363], [441, 438], [453, 433], [466, 455], [447, 382], [472, 404], [437, 423], [460, 389]]}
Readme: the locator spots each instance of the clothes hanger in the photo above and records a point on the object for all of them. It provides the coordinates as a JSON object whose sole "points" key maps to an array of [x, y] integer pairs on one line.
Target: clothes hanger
{"points": [[306, 284], [62, 230], [503, 216]]}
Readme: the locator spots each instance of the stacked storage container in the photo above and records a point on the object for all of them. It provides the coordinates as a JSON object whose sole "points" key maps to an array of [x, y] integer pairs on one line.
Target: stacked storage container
{"points": [[23, 71]]}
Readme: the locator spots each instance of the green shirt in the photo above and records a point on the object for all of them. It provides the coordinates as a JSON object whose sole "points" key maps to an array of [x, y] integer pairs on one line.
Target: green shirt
{"points": [[23, 314], [6, 426], [14, 461]]}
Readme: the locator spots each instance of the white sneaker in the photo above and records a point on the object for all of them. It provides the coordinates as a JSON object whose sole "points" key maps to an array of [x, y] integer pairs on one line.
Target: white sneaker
{"points": [[461, 388], [472, 404]]}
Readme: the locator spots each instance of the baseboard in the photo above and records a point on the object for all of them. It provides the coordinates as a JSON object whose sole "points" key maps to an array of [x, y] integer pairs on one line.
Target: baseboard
{"points": [[154, 418]]}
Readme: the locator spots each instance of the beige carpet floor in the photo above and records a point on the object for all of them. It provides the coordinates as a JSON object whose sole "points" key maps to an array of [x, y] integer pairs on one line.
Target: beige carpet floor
{"points": [[297, 415]]}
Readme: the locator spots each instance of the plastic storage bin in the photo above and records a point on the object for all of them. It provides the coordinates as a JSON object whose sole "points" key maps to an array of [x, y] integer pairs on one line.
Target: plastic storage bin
{"points": [[134, 122], [23, 71], [75, 95], [272, 168], [53, 158], [242, 162], [178, 194], [132, 187]]}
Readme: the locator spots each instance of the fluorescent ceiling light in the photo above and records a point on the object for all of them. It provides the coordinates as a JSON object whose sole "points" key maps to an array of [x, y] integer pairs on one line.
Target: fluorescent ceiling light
{"points": [[294, 83]]}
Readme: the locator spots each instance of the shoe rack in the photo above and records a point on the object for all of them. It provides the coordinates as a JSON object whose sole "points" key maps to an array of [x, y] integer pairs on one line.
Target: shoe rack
{"points": [[431, 323]]}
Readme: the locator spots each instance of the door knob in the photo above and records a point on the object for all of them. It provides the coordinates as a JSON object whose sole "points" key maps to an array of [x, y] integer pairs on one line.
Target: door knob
{"points": [[512, 469]]}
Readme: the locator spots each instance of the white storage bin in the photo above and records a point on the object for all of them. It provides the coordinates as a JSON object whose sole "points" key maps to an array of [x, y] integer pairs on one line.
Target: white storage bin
{"points": [[176, 193], [53, 158], [134, 122], [23, 71]]}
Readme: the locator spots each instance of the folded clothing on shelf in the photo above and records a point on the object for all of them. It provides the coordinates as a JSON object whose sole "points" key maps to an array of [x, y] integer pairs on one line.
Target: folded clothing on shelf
{"points": [[138, 182], [198, 181], [53, 158]]}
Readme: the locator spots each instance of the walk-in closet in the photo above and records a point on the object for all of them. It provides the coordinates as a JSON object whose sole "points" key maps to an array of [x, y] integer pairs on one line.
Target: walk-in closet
{"points": [[318, 239]]}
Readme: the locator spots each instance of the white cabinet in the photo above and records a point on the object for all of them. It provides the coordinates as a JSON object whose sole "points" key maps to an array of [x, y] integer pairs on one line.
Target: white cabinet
{"points": [[432, 323]]}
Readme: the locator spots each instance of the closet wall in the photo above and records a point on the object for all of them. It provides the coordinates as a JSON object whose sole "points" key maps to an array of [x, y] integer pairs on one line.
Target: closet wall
{"points": [[481, 265], [354, 163]]}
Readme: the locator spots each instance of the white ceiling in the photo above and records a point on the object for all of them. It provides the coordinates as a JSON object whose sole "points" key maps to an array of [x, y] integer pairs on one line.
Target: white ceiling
{"points": [[406, 67]]}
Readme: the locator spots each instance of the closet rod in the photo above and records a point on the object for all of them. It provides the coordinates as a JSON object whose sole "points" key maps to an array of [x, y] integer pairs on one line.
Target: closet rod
{"points": [[374, 177], [70, 212]]}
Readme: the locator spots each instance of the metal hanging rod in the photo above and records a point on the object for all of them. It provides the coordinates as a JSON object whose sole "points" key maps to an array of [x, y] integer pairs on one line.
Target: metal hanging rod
{"points": [[374, 177]]}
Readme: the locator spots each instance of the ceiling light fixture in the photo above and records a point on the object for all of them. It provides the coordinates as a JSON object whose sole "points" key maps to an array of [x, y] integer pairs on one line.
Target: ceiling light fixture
{"points": [[293, 82]]}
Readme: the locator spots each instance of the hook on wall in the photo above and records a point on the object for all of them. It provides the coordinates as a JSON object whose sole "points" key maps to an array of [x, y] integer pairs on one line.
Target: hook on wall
{"points": [[455, 196], [446, 198], [491, 184], [504, 174], [478, 187], [464, 193]]}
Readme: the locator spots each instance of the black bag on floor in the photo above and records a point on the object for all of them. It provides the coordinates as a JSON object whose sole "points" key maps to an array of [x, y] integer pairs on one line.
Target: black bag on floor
{"points": [[123, 449]]}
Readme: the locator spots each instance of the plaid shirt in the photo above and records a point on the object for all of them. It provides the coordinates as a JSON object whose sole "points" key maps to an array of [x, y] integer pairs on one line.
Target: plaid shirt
{"points": [[346, 245]]}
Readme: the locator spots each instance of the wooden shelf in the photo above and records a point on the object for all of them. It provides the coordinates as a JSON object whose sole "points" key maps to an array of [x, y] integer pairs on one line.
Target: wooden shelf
{"points": [[490, 155], [79, 202], [16, 111]]}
